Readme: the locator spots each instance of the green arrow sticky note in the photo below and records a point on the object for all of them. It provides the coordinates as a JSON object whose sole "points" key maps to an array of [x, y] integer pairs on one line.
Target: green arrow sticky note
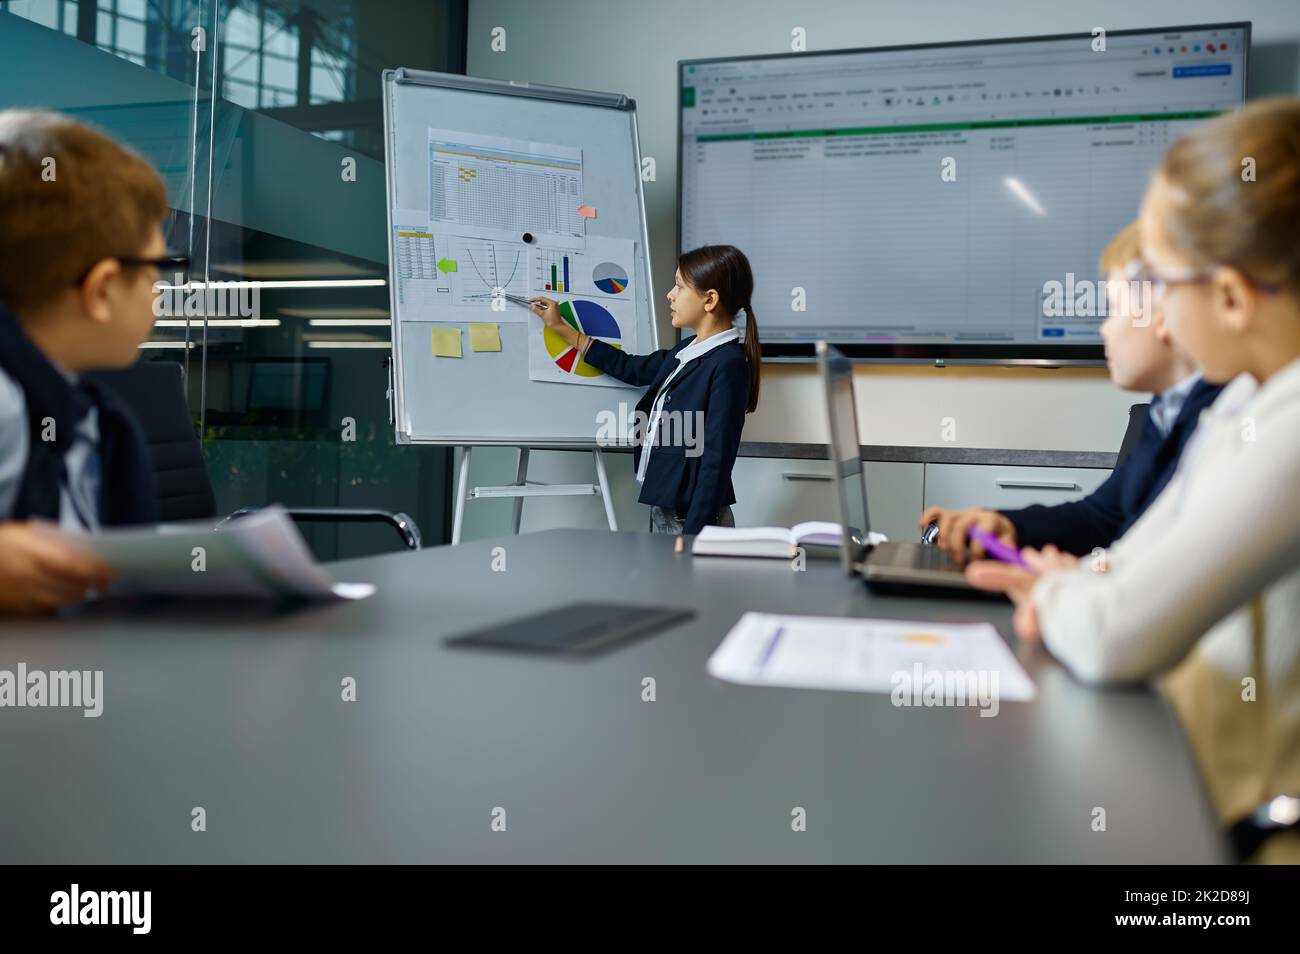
{"points": [[446, 264]]}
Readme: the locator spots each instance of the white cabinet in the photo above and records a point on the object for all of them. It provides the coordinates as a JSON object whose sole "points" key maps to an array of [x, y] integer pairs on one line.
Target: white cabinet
{"points": [[780, 492], [1006, 488]]}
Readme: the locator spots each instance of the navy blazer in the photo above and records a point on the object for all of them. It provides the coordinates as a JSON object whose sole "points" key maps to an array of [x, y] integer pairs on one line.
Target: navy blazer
{"points": [[1105, 515], [128, 486], [716, 384]]}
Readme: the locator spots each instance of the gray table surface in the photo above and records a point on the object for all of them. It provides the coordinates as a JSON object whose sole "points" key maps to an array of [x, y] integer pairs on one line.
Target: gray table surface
{"points": [[240, 711]]}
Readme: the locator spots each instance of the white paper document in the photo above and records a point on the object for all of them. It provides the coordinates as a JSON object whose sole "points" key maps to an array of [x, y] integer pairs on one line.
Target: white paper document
{"points": [[771, 541], [554, 360], [441, 275], [602, 269], [492, 187], [259, 556], [486, 269], [918, 663], [423, 289]]}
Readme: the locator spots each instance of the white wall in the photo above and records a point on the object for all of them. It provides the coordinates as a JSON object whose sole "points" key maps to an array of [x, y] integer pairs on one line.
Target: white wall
{"points": [[632, 46]]}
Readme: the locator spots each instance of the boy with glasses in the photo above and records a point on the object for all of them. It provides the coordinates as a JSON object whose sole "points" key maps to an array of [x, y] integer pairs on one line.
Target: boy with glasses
{"points": [[1140, 357], [81, 247]]}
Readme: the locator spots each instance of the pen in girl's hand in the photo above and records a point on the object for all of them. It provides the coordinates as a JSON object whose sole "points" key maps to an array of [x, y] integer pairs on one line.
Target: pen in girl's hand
{"points": [[997, 549]]}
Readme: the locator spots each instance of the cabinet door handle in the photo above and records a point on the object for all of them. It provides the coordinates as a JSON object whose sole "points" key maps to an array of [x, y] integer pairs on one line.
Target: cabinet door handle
{"points": [[1007, 484], [787, 475]]}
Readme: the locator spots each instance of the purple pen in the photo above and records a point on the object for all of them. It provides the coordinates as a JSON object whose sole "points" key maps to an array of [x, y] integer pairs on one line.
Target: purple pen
{"points": [[997, 549]]}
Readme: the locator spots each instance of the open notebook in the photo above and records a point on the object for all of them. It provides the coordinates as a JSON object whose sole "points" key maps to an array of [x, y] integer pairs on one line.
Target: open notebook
{"points": [[777, 542]]}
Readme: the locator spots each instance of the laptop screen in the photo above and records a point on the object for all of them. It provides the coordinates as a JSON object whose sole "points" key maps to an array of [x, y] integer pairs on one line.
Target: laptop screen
{"points": [[845, 452]]}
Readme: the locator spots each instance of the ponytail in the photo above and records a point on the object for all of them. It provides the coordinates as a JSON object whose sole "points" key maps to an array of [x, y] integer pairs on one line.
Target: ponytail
{"points": [[753, 356], [725, 269]]}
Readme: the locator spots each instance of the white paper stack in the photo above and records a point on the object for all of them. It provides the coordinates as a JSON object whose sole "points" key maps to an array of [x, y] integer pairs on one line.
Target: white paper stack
{"points": [[259, 556], [870, 655]]}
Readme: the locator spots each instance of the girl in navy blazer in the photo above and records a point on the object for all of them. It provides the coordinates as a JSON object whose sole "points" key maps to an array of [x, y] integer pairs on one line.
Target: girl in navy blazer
{"points": [[697, 394]]}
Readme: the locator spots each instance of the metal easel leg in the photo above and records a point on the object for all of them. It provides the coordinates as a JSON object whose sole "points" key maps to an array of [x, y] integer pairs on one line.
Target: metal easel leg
{"points": [[462, 494], [521, 478], [603, 480]]}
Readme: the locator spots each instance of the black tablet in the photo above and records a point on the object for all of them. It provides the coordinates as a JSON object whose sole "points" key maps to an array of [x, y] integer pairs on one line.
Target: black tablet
{"points": [[580, 628]]}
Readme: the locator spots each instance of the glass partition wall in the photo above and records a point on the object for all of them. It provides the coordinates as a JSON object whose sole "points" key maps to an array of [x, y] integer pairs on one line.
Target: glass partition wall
{"points": [[276, 189]]}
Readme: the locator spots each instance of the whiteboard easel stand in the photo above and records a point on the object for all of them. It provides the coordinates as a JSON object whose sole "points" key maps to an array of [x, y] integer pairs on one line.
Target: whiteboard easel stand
{"points": [[604, 125], [521, 488]]}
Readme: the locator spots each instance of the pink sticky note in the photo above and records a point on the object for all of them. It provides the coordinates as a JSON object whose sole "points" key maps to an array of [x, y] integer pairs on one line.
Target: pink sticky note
{"points": [[587, 211]]}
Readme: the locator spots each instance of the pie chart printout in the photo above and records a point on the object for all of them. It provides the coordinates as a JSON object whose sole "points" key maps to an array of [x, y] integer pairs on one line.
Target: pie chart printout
{"points": [[589, 318], [609, 278]]}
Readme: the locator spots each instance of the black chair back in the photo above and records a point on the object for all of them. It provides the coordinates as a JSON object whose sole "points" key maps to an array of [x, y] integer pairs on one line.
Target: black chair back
{"points": [[1137, 416], [154, 392]]}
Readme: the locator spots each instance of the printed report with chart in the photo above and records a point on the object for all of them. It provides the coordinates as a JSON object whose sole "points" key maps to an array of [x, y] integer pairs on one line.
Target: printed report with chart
{"points": [[506, 221]]}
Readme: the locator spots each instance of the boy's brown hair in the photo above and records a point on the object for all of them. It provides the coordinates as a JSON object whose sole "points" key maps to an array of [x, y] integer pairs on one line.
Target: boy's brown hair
{"points": [[1123, 248], [69, 197]]}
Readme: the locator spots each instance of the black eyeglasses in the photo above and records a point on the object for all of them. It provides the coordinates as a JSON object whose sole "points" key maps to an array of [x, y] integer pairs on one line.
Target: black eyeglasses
{"points": [[168, 263], [165, 264]]}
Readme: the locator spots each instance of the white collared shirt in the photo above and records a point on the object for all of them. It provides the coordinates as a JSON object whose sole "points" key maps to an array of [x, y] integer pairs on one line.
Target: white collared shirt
{"points": [[1205, 587], [78, 497], [688, 354], [1168, 404]]}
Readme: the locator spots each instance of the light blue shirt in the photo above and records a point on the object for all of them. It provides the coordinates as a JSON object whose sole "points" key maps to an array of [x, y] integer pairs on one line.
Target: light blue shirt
{"points": [[79, 496], [1168, 404]]}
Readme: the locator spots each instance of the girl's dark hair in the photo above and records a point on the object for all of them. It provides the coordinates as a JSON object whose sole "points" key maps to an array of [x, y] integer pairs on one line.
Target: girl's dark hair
{"points": [[724, 269]]}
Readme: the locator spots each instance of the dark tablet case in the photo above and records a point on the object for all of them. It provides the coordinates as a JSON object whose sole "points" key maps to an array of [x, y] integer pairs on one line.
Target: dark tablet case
{"points": [[585, 629]]}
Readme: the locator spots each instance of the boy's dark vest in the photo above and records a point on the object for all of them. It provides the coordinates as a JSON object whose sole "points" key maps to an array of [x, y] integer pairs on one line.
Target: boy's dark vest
{"points": [[128, 486]]}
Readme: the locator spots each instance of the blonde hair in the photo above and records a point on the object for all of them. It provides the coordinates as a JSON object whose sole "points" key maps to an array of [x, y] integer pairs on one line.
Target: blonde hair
{"points": [[1235, 184], [69, 197], [1123, 248]]}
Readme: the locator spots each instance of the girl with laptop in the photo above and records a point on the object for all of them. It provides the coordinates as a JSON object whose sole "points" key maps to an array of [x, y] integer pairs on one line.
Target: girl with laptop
{"points": [[1204, 589]]}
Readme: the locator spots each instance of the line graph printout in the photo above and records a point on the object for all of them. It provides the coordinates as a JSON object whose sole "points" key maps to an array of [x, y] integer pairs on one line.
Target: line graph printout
{"points": [[501, 188], [484, 269]]}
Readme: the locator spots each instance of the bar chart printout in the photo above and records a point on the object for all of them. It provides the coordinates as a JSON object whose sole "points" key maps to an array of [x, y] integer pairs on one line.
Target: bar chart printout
{"points": [[602, 269]]}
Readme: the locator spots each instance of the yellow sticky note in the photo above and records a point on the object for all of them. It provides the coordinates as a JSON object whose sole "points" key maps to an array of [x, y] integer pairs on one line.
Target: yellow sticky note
{"points": [[484, 336], [446, 342]]}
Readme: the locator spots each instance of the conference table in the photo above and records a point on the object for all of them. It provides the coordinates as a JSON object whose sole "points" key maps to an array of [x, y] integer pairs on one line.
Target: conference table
{"points": [[449, 754]]}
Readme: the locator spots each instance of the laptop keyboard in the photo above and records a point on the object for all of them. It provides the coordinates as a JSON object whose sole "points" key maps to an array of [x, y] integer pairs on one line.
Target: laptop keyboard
{"points": [[933, 558]]}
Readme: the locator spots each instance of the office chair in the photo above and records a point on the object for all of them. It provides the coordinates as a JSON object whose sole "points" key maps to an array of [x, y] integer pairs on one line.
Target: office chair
{"points": [[1137, 416], [155, 394]]}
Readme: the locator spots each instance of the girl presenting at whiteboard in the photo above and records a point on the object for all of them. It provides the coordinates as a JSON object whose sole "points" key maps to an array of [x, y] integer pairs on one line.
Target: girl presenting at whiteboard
{"points": [[684, 467]]}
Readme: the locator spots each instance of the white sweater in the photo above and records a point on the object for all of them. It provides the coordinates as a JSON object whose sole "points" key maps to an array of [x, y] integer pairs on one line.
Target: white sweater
{"points": [[1208, 580]]}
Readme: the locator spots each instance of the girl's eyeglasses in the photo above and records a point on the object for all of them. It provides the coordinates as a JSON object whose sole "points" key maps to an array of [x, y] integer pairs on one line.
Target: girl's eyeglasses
{"points": [[1191, 276]]}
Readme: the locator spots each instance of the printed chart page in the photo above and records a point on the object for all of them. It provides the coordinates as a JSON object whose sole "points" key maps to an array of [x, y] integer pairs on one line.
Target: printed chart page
{"points": [[870, 655], [496, 188]]}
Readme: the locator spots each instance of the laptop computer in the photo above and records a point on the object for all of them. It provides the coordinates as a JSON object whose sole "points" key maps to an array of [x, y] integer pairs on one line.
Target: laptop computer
{"points": [[910, 567]]}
